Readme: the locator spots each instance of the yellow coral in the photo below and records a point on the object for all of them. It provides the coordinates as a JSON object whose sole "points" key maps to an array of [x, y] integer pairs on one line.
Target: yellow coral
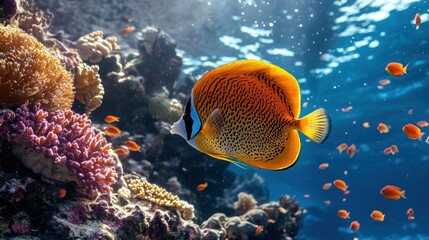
{"points": [[89, 89], [93, 46], [29, 73], [158, 195]]}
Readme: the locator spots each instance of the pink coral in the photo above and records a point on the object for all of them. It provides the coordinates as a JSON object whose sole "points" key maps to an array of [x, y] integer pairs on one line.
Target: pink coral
{"points": [[69, 139]]}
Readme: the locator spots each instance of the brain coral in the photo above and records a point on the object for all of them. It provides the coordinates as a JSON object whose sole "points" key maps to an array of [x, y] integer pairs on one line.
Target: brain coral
{"points": [[28, 72]]}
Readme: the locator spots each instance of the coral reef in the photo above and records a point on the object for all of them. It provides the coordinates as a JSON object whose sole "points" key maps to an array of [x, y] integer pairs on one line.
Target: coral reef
{"points": [[66, 139], [93, 47], [158, 195], [279, 220], [29, 73], [89, 90]]}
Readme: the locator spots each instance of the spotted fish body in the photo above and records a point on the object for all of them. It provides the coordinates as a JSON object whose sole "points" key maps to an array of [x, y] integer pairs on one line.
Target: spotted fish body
{"points": [[247, 111]]}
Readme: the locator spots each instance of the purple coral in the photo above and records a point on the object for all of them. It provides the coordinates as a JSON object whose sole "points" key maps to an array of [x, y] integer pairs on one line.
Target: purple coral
{"points": [[69, 139]]}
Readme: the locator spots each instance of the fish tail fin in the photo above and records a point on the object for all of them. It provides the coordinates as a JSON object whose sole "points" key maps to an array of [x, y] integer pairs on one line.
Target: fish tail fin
{"points": [[403, 194], [405, 68], [316, 125], [421, 135]]}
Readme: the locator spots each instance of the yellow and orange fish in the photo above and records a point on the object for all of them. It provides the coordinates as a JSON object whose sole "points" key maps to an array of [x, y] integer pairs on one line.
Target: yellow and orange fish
{"points": [[122, 151], [327, 186], [132, 146], [202, 186], [377, 215], [417, 20], [392, 192], [384, 82], [354, 226], [111, 119], [343, 214], [342, 147], [351, 150], [410, 213], [247, 112], [62, 192], [340, 184], [412, 131], [382, 128], [422, 124], [396, 69], [365, 124], [126, 31], [323, 166], [112, 131]]}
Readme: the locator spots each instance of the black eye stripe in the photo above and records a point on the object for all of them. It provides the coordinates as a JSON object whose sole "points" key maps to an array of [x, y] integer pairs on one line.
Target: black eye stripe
{"points": [[188, 120]]}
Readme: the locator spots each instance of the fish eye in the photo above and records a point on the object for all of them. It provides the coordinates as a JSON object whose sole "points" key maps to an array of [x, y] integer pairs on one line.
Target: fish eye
{"points": [[185, 117]]}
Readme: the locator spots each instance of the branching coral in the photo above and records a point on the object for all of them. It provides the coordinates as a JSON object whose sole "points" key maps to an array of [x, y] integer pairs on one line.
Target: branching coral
{"points": [[68, 141], [89, 90], [158, 195], [93, 46], [29, 73]]}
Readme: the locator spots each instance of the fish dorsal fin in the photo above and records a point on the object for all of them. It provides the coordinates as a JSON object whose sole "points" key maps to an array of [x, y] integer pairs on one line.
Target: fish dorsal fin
{"points": [[272, 75]]}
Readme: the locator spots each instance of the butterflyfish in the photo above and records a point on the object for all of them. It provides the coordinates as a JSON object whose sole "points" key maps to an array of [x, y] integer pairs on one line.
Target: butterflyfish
{"points": [[247, 112]]}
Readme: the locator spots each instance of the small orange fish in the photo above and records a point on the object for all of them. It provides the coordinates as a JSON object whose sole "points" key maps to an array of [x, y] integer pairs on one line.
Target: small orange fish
{"points": [[258, 230], [346, 192], [327, 186], [354, 226], [410, 213], [377, 215], [382, 128], [422, 124], [340, 184], [62, 192], [323, 166], [133, 146], [387, 151], [342, 147], [126, 31], [111, 119], [365, 124], [396, 69], [304, 104], [327, 202], [202, 186], [347, 109], [394, 148], [412, 131], [112, 131], [343, 214], [392, 192], [417, 20], [351, 150], [384, 82], [121, 151]]}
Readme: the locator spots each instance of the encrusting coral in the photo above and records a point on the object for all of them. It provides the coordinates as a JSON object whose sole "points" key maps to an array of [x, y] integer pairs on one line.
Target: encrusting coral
{"points": [[72, 149], [158, 195], [93, 46], [89, 90], [28, 72]]}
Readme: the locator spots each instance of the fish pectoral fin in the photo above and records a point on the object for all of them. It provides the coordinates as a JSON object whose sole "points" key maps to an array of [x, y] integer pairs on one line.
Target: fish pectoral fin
{"points": [[213, 126]]}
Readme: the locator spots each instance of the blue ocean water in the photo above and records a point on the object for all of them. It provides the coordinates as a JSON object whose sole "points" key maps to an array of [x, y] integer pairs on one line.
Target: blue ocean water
{"points": [[338, 50]]}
